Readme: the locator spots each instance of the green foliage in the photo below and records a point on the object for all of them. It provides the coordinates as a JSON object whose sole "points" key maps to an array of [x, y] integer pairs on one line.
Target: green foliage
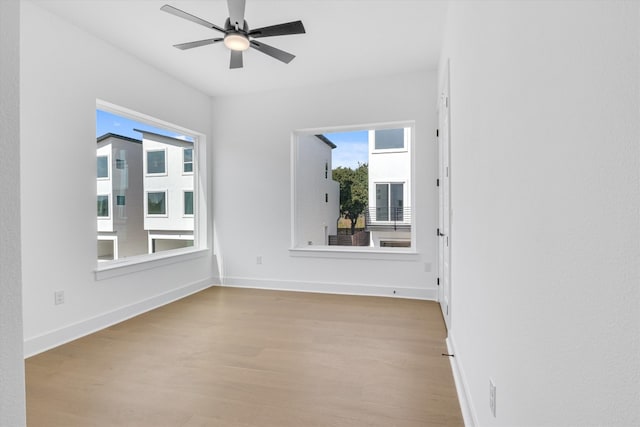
{"points": [[354, 191]]}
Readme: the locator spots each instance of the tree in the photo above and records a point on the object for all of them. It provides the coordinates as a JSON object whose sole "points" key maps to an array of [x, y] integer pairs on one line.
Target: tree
{"points": [[354, 191]]}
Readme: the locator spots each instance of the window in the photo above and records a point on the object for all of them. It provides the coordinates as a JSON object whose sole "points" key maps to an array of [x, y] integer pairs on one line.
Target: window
{"points": [[187, 160], [157, 203], [188, 202], [367, 186], [388, 139], [103, 206], [156, 162], [389, 202], [103, 167], [148, 204]]}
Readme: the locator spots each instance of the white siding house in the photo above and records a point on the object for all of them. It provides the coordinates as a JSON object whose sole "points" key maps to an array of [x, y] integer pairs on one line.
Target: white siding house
{"points": [[318, 209], [119, 196], [389, 212], [168, 191]]}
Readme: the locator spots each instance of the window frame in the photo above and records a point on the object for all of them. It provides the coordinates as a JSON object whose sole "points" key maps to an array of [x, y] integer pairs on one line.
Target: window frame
{"points": [[404, 149], [108, 216], [356, 252], [166, 204], [184, 162], [146, 162], [108, 177], [201, 233], [184, 204]]}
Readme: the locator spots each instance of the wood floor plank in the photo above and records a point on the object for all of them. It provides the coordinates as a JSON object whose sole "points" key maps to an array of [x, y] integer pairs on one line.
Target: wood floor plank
{"points": [[244, 357]]}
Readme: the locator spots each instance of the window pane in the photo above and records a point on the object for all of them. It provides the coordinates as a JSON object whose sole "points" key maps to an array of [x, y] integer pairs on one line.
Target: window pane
{"points": [[156, 203], [103, 206], [188, 155], [188, 202], [397, 201], [188, 160], [382, 202], [103, 167], [389, 138], [120, 200], [155, 162]]}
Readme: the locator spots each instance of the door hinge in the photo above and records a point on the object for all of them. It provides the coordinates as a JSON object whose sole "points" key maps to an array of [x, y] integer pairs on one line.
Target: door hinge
{"points": [[438, 281], [437, 182], [438, 232], [437, 133]]}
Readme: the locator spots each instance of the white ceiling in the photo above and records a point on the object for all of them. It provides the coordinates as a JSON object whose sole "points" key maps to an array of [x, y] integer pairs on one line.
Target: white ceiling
{"points": [[345, 39]]}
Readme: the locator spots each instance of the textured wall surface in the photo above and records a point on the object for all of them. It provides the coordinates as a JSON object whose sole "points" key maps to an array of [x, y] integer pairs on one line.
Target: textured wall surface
{"points": [[546, 195], [12, 400]]}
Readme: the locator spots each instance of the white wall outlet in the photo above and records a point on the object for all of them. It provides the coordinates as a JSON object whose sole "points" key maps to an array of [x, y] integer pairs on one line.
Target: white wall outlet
{"points": [[492, 397], [58, 297], [259, 259]]}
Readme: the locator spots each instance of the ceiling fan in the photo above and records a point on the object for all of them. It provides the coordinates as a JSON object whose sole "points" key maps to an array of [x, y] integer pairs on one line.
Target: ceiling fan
{"points": [[237, 35]]}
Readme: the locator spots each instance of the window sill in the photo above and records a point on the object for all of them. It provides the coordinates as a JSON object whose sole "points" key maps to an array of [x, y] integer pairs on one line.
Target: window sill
{"points": [[122, 267], [351, 252]]}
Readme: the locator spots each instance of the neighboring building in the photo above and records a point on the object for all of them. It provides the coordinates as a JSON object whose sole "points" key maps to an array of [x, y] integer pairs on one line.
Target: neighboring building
{"points": [[119, 196], [388, 218], [168, 191], [318, 209]]}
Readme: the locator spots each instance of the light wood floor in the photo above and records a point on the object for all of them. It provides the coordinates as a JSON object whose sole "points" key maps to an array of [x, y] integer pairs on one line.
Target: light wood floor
{"points": [[242, 357]]}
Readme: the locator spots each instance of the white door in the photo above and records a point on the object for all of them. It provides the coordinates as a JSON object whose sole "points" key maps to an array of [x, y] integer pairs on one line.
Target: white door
{"points": [[444, 221]]}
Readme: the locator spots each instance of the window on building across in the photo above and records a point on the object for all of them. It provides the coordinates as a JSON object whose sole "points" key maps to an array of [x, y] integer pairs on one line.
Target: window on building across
{"points": [[103, 166], [389, 201], [157, 203], [387, 139], [103, 206], [188, 202], [156, 162], [187, 160]]}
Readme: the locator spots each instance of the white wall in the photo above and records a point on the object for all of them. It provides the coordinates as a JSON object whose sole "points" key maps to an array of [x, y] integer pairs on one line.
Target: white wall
{"points": [[252, 136], [63, 71], [12, 398], [312, 211], [545, 194]]}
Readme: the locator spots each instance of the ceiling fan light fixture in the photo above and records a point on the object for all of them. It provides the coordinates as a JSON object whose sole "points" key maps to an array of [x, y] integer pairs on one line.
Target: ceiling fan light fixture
{"points": [[236, 41]]}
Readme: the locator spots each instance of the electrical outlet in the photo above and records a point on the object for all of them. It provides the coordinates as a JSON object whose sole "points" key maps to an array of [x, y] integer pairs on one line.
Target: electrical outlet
{"points": [[427, 267], [492, 397], [259, 260], [58, 297]]}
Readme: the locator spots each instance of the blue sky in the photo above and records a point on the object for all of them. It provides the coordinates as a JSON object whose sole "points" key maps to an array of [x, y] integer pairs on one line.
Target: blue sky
{"points": [[108, 122], [352, 148]]}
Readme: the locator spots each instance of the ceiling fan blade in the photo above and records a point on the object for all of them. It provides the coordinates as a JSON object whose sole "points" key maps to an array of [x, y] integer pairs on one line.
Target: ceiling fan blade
{"points": [[278, 54], [236, 59], [236, 12], [294, 27], [190, 45], [189, 17]]}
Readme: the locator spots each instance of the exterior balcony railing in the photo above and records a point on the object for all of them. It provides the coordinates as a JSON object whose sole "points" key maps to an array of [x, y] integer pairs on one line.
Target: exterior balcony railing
{"points": [[388, 218]]}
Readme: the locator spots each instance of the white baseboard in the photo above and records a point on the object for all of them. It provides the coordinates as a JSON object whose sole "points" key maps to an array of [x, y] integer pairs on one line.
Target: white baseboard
{"points": [[49, 340], [332, 288], [468, 413]]}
